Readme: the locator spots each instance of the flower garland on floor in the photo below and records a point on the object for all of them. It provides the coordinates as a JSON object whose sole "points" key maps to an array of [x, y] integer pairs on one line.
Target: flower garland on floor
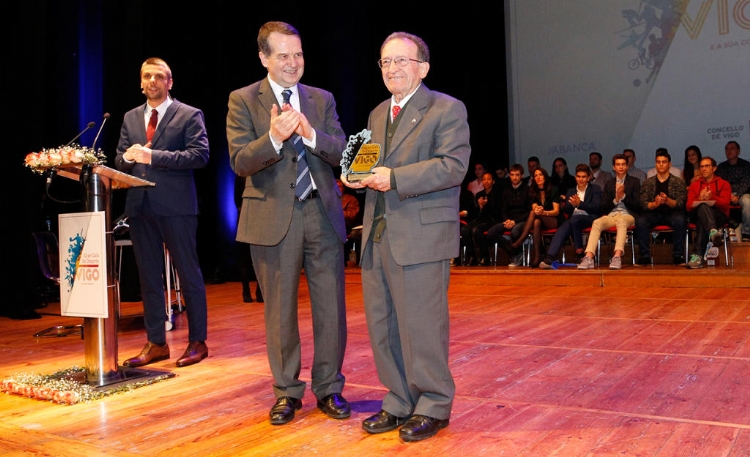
{"points": [[66, 387], [39, 162]]}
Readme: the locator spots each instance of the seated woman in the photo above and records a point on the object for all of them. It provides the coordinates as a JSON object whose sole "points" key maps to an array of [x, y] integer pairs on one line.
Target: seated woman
{"points": [[691, 169], [561, 177], [544, 214], [582, 205]]}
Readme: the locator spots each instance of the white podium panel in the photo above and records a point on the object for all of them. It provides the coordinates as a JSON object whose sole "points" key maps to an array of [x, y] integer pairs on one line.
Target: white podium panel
{"points": [[83, 265]]}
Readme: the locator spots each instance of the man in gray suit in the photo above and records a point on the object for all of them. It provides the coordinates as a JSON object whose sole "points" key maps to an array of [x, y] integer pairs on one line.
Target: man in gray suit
{"points": [[411, 231], [291, 223]]}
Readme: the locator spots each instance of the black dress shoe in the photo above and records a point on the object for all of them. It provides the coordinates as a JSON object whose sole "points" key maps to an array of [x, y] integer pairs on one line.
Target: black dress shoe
{"points": [[258, 295], [335, 406], [195, 352], [149, 354], [382, 422], [283, 411], [247, 297], [419, 427]]}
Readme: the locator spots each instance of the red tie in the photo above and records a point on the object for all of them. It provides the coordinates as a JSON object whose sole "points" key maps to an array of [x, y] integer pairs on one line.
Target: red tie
{"points": [[396, 110], [152, 125]]}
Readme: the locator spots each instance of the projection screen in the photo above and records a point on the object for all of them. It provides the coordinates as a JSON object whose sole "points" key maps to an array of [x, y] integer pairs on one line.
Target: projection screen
{"points": [[605, 75]]}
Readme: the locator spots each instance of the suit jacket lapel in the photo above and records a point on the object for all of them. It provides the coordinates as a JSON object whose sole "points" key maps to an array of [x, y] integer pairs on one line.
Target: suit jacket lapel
{"points": [[305, 102], [168, 116], [378, 126], [267, 97], [411, 116], [142, 131]]}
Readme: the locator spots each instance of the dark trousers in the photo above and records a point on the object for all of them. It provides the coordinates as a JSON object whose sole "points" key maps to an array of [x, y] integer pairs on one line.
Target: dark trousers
{"points": [[151, 234], [705, 218], [573, 226], [472, 235], [645, 221]]}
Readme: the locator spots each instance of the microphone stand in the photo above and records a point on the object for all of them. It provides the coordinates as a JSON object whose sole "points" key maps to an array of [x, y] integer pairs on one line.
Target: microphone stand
{"points": [[90, 125]]}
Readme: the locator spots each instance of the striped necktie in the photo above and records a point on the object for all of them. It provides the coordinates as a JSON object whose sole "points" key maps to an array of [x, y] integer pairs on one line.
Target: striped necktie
{"points": [[303, 184]]}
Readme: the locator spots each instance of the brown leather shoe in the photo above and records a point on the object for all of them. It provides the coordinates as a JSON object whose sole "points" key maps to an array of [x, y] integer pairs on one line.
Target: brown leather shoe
{"points": [[149, 354], [195, 352]]}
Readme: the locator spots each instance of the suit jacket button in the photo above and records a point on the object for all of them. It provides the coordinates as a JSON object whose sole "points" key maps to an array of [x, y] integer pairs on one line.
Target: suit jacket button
{"points": [[292, 185], [294, 159]]}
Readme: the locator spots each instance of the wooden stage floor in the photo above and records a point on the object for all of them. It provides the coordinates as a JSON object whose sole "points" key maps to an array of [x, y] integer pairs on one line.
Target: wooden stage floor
{"points": [[640, 362]]}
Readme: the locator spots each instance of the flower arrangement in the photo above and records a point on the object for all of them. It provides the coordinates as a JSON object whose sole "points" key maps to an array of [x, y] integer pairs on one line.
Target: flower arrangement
{"points": [[39, 162], [65, 387]]}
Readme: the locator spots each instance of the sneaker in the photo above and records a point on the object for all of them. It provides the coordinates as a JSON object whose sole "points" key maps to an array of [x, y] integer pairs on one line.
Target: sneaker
{"points": [[615, 263], [715, 237], [642, 261], [678, 260], [695, 261], [587, 263], [543, 265], [516, 260]]}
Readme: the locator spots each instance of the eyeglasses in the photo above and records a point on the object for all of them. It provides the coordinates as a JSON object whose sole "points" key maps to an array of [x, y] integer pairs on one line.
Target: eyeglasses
{"points": [[399, 61]]}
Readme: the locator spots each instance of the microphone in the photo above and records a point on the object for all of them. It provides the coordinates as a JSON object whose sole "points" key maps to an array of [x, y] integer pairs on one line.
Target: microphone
{"points": [[51, 173], [91, 125], [106, 116]]}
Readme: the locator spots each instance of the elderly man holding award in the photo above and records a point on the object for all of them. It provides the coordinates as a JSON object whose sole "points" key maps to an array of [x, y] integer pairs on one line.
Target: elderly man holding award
{"points": [[410, 233]]}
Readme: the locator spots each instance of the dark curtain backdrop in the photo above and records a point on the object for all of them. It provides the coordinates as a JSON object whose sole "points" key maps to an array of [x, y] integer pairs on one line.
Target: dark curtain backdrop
{"points": [[69, 61]]}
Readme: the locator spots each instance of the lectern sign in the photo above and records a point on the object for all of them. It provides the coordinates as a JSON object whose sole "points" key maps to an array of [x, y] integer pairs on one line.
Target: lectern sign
{"points": [[83, 265]]}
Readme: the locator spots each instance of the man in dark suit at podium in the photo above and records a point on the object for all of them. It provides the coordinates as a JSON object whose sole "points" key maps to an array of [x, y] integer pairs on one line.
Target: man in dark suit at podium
{"points": [[163, 141]]}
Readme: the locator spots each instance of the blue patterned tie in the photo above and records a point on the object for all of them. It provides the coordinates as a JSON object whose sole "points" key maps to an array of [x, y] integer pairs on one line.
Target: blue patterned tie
{"points": [[303, 185]]}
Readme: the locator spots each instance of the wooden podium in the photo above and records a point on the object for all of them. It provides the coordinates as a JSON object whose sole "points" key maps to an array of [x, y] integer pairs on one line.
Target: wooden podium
{"points": [[100, 335]]}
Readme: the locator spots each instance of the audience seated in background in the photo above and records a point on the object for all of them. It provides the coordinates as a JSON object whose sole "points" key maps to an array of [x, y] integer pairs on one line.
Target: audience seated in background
{"points": [[502, 180], [691, 169], [466, 204], [620, 203], [708, 217], [244, 259], [487, 213], [352, 220], [598, 176], [544, 214], [532, 163], [674, 171], [662, 203], [736, 172], [514, 210], [632, 170], [561, 177], [350, 205], [475, 185], [582, 205]]}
